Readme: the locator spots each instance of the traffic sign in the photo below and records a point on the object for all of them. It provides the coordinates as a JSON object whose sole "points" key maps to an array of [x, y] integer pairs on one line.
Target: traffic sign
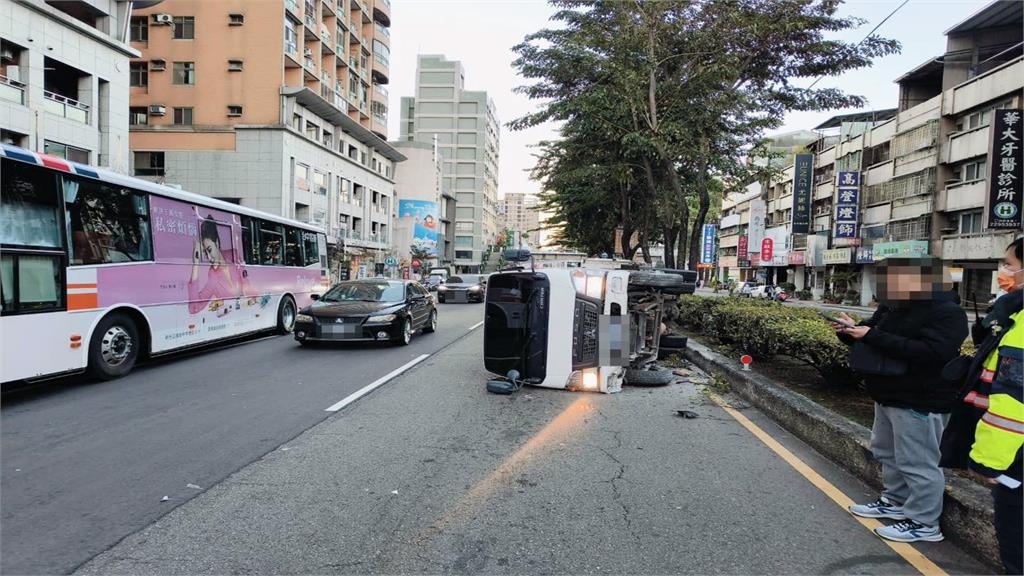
{"points": [[416, 263], [391, 261]]}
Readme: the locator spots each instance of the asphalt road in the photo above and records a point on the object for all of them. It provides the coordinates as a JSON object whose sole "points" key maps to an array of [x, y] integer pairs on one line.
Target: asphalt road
{"points": [[85, 465], [431, 475]]}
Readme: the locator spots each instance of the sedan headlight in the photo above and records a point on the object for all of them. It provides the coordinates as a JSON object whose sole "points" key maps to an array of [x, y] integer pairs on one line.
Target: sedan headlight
{"points": [[474, 288], [382, 318], [442, 288], [303, 318]]}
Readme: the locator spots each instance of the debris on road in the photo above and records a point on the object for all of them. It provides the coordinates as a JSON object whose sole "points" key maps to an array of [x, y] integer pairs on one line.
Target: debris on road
{"points": [[394, 492], [165, 498], [193, 486], [689, 415], [681, 372]]}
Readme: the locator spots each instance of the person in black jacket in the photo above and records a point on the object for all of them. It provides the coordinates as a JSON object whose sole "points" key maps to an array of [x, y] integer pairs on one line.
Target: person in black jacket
{"points": [[900, 352]]}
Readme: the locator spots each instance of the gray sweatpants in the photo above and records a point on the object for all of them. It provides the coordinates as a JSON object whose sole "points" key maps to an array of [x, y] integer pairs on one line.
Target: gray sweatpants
{"points": [[906, 442]]}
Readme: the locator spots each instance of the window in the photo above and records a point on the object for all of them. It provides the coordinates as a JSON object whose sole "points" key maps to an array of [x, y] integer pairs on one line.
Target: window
{"points": [[297, 122], [138, 74], [31, 282], [463, 254], [250, 240], [293, 247], [974, 171], [66, 152], [463, 226], [234, 65], [184, 27], [312, 130], [381, 52], [185, 73], [311, 247], [29, 206], [970, 222], [234, 110], [149, 163], [319, 182], [139, 29], [236, 19], [183, 116], [138, 116], [106, 223], [271, 243], [464, 241], [291, 37]]}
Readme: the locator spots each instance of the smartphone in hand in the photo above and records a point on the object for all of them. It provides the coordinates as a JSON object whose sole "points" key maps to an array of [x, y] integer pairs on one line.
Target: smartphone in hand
{"points": [[835, 319]]}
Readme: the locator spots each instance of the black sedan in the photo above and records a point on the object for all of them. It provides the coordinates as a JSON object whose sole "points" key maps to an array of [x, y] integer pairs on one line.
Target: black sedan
{"points": [[464, 288], [372, 310]]}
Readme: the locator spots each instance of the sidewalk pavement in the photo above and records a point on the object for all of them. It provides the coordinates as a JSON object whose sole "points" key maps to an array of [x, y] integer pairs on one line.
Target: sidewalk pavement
{"points": [[430, 474]]}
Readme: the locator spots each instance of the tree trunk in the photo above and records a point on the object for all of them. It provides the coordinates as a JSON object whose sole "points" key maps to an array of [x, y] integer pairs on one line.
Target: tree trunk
{"points": [[671, 234], [704, 202]]}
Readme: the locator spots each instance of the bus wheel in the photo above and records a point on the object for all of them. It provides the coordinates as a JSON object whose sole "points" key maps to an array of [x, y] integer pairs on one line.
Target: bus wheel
{"points": [[114, 347], [286, 316]]}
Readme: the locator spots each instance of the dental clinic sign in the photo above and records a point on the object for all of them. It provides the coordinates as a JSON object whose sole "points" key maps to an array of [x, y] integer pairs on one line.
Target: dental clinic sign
{"points": [[1004, 187]]}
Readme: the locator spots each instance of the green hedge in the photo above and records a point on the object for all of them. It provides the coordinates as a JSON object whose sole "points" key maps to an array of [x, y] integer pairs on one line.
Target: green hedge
{"points": [[765, 329]]}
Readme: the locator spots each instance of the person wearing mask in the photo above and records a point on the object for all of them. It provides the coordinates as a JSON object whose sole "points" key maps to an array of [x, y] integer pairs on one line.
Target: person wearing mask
{"points": [[900, 352], [995, 412]]}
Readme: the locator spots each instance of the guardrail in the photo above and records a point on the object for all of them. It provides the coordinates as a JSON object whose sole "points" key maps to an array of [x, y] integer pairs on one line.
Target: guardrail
{"points": [[67, 107], [12, 90]]}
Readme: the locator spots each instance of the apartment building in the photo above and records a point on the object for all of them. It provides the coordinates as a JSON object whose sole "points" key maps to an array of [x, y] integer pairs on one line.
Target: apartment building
{"points": [[278, 105], [914, 180], [425, 210], [520, 214], [64, 78], [465, 125]]}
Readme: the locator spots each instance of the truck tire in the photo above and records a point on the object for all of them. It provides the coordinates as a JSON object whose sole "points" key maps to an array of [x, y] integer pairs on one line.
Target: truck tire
{"points": [[673, 341], [666, 283], [634, 377]]}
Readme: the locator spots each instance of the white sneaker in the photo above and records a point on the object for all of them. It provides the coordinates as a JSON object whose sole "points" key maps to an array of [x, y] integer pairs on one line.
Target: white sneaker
{"points": [[881, 508], [910, 531]]}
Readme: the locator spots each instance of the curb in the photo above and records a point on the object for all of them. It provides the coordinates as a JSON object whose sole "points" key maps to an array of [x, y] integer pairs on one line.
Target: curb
{"points": [[967, 509]]}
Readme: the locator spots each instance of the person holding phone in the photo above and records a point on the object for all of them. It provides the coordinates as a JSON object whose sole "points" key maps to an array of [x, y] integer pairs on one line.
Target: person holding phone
{"points": [[900, 352]]}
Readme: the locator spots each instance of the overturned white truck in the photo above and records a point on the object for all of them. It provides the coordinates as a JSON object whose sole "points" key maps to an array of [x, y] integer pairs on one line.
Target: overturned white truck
{"points": [[578, 329]]}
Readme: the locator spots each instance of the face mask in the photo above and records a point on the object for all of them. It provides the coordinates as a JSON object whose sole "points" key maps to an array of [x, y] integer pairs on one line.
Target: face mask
{"points": [[1007, 281]]}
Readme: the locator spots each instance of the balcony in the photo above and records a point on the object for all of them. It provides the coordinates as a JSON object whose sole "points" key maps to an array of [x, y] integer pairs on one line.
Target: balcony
{"points": [[293, 7], [964, 145], [962, 196], [12, 90], [985, 245], [380, 69], [65, 107], [328, 7], [382, 12]]}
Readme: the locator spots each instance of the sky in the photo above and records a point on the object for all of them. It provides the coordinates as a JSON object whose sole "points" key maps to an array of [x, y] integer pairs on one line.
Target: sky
{"points": [[481, 34]]}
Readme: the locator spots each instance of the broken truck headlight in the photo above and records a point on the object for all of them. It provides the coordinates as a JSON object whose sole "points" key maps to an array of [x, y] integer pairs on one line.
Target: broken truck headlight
{"points": [[589, 282], [590, 379]]}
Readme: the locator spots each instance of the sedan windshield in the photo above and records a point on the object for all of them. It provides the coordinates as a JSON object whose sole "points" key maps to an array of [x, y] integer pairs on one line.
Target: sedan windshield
{"points": [[365, 292]]}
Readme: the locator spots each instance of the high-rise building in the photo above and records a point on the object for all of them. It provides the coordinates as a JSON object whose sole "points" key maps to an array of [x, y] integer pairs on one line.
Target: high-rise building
{"points": [[425, 210], [519, 213], [278, 105], [64, 79], [465, 124]]}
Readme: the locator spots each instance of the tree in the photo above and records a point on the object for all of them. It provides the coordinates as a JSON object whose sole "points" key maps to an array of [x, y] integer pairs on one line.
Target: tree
{"points": [[668, 95]]}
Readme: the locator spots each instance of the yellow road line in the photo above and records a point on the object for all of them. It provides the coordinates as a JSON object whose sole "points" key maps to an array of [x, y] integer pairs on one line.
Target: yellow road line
{"points": [[906, 551]]}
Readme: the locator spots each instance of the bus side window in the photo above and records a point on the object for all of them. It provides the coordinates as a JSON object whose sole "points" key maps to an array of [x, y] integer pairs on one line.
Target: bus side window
{"points": [[107, 223], [250, 241], [271, 243], [293, 247], [311, 248]]}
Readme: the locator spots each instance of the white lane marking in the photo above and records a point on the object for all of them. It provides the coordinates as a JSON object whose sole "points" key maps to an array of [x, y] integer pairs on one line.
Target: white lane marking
{"points": [[475, 326], [375, 384]]}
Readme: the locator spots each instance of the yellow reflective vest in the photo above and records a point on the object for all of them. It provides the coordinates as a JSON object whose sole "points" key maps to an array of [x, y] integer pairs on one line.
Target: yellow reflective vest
{"points": [[1000, 432]]}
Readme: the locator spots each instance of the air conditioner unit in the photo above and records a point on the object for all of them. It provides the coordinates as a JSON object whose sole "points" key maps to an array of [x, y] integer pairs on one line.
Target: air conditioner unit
{"points": [[308, 52], [163, 19], [7, 55], [157, 65], [157, 110]]}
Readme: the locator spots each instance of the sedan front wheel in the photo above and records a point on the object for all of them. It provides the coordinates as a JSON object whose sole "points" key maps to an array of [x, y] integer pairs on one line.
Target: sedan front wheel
{"points": [[406, 336]]}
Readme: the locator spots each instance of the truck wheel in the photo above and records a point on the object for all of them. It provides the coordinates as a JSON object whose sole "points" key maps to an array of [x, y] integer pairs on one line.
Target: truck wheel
{"points": [[673, 341], [634, 377], [114, 347], [672, 284]]}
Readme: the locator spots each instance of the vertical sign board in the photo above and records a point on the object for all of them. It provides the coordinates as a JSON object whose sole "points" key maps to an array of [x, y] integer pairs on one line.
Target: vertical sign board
{"points": [[1004, 187], [755, 231], [846, 205], [802, 180], [708, 253], [743, 248], [767, 249]]}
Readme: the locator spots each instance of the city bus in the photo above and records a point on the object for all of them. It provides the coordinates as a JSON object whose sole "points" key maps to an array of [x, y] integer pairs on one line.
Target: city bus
{"points": [[98, 269]]}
